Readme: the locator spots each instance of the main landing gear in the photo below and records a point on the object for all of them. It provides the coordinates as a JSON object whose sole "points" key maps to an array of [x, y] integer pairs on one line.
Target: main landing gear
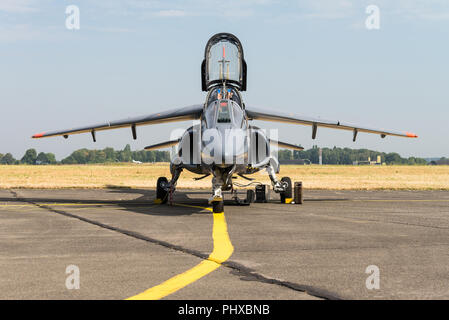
{"points": [[288, 192], [165, 188], [161, 190]]}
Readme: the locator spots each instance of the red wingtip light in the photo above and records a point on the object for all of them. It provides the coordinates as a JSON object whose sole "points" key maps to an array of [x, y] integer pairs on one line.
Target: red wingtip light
{"points": [[39, 135], [411, 135]]}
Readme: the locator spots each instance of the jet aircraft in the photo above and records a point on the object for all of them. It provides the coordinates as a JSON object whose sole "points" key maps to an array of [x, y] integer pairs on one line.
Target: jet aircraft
{"points": [[222, 142]]}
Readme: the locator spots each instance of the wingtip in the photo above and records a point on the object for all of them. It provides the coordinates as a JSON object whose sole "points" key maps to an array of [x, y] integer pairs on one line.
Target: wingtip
{"points": [[38, 135]]}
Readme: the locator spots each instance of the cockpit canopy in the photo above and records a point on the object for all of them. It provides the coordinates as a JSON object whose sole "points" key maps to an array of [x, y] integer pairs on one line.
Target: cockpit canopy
{"points": [[223, 62]]}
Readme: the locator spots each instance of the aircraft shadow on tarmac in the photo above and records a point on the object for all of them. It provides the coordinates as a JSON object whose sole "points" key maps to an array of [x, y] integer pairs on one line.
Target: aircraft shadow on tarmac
{"points": [[186, 202], [144, 204]]}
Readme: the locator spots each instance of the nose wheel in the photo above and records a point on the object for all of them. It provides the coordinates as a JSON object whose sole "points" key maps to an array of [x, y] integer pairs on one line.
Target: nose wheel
{"points": [[218, 206]]}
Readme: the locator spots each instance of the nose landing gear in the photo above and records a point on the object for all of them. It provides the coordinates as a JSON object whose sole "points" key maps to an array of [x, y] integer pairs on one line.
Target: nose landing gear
{"points": [[217, 200]]}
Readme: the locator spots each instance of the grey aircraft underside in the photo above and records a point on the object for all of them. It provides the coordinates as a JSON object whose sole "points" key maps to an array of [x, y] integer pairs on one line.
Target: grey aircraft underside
{"points": [[222, 143]]}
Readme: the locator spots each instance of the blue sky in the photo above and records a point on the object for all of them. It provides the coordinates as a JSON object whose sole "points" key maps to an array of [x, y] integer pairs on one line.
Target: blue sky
{"points": [[312, 57]]}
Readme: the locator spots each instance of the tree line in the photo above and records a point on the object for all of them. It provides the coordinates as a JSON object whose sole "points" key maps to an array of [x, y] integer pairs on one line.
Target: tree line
{"points": [[108, 155], [30, 157], [85, 156], [347, 156]]}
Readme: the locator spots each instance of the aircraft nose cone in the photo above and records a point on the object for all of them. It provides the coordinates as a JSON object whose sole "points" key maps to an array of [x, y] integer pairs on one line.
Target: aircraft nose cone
{"points": [[233, 146], [224, 147]]}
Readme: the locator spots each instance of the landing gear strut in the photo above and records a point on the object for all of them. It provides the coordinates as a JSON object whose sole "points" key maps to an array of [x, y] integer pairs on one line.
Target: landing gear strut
{"points": [[283, 187]]}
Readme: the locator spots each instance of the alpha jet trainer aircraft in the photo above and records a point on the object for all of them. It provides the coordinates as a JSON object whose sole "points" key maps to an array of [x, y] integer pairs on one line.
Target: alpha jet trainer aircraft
{"points": [[222, 143]]}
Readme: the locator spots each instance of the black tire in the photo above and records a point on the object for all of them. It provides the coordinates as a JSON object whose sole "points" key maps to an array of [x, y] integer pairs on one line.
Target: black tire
{"points": [[218, 206], [161, 193], [250, 196], [287, 195]]}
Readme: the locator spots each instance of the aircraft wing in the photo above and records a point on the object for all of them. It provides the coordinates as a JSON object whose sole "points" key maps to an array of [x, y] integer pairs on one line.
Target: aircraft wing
{"points": [[265, 115], [180, 114], [163, 145], [285, 145]]}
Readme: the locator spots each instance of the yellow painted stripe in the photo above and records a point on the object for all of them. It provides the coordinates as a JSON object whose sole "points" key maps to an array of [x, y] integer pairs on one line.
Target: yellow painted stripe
{"points": [[74, 204], [57, 204], [222, 251]]}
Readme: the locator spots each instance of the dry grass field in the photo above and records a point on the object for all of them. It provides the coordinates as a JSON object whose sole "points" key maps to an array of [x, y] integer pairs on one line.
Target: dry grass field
{"points": [[145, 176]]}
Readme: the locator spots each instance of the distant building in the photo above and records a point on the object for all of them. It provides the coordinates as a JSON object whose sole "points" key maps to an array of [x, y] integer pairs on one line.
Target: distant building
{"points": [[369, 162], [442, 161]]}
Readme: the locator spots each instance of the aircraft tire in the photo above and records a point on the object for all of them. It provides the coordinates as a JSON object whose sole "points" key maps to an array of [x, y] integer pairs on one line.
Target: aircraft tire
{"points": [[287, 195], [161, 193], [218, 206]]}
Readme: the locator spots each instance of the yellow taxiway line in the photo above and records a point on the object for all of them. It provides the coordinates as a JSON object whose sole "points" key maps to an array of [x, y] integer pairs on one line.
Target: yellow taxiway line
{"points": [[223, 249], [58, 204], [76, 204]]}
